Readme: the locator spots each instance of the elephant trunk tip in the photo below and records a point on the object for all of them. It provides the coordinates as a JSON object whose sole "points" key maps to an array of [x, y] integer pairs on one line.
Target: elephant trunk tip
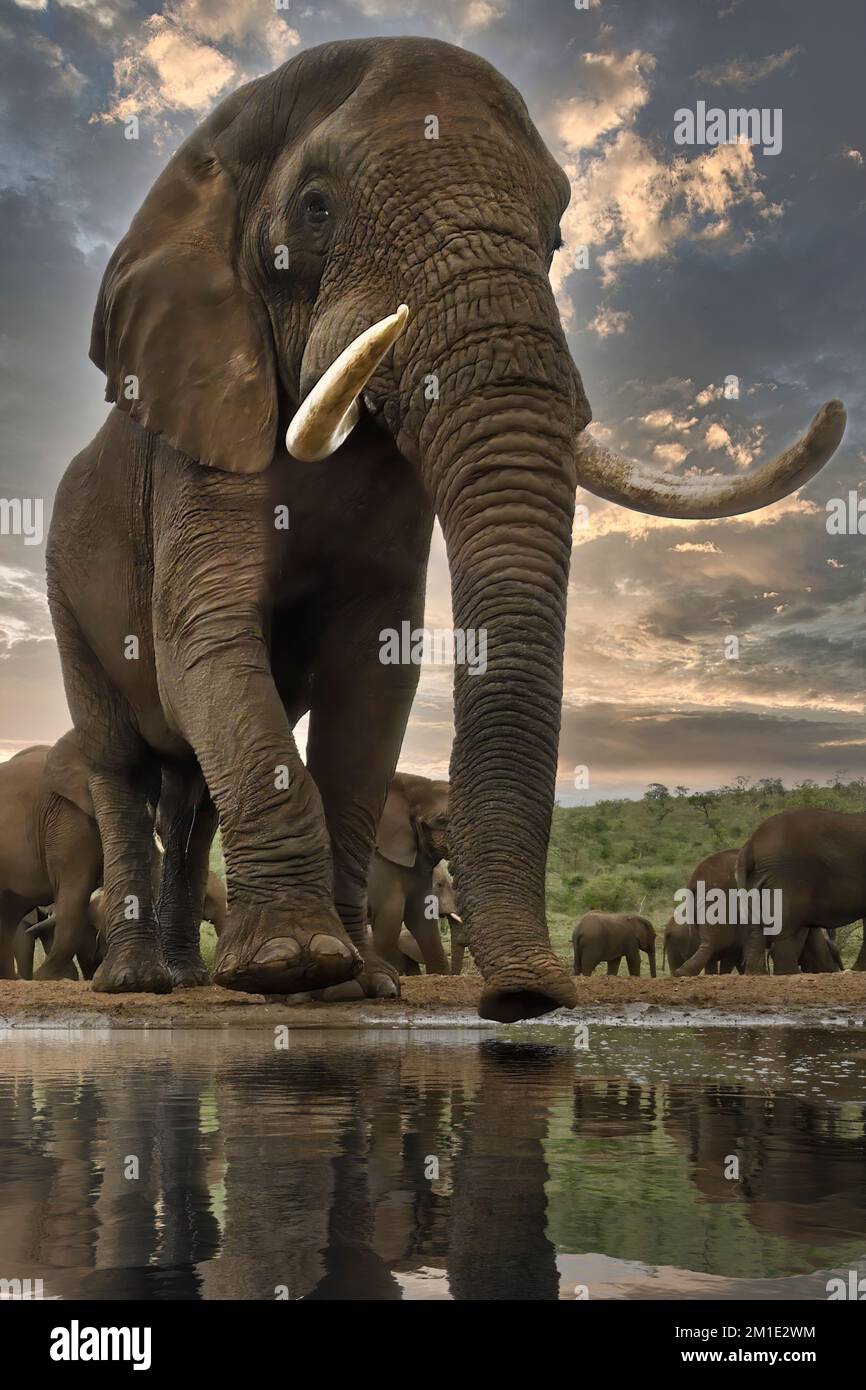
{"points": [[527, 988]]}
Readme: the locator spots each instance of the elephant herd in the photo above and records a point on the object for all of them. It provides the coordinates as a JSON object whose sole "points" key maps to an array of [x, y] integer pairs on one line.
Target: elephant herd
{"points": [[51, 854], [799, 877], [809, 864]]}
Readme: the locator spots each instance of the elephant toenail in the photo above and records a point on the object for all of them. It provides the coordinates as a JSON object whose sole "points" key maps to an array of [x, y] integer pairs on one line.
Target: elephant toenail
{"points": [[280, 948], [330, 946]]}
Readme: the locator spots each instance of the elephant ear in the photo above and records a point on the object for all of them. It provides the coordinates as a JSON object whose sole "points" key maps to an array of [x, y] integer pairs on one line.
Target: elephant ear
{"points": [[395, 838], [66, 773], [186, 349]]}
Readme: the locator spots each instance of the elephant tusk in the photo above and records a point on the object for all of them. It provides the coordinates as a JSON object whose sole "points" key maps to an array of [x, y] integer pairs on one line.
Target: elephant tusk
{"points": [[646, 489], [330, 412]]}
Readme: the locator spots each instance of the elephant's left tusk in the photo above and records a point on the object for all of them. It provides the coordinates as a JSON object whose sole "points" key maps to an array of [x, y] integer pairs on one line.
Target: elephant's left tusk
{"points": [[330, 412]]}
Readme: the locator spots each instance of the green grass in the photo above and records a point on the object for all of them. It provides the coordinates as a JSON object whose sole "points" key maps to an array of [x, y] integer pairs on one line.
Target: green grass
{"points": [[631, 856]]}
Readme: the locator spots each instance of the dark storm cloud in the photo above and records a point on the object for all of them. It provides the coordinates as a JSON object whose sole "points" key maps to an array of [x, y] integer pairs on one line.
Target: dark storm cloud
{"points": [[625, 749]]}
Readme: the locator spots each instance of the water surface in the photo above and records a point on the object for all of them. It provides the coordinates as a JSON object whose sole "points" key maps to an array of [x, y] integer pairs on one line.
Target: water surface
{"points": [[658, 1162]]}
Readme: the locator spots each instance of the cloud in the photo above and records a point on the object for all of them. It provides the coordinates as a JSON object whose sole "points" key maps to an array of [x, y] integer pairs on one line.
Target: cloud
{"points": [[671, 453], [189, 55], [745, 72], [632, 203], [616, 88], [696, 547], [609, 322], [458, 16]]}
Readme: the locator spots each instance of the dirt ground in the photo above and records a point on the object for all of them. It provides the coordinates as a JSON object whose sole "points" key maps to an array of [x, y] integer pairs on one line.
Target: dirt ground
{"points": [[441, 1001]]}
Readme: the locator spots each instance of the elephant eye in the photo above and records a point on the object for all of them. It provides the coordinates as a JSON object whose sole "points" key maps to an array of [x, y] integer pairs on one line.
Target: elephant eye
{"points": [[316, 210]]}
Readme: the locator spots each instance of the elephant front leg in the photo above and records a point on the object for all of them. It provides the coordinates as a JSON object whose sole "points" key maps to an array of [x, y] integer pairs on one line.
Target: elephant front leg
{"points": [[282, 934], [426, 931], [357, 722], [860, 962]]}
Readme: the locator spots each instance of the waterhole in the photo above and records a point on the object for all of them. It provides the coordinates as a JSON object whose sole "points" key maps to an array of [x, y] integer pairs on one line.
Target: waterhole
{"points": [[651, 1163]]}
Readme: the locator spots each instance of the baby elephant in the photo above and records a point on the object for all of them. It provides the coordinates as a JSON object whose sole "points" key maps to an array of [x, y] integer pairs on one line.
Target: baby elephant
{"points": [[609, 936]]}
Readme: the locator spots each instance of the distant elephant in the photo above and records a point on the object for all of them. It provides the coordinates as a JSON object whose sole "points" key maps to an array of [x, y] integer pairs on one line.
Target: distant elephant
{"points": [[817, 859], [50, 849], [307, 258], [411, 840], [609, 936]]}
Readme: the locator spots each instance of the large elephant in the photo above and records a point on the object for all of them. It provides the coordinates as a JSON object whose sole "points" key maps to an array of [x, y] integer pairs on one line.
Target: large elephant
{"points": [[411, 841], [816, 860], [49, 849], [608, 936], [721, 945], [254, 581]]}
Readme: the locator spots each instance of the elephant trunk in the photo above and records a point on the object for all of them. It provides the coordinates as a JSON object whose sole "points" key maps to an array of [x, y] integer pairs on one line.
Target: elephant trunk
{"points": [[501, 470]]}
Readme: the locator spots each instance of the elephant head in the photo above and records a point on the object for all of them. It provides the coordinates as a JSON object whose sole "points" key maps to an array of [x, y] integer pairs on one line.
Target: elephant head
{"points": [[362, 239], [67, 773], [414, 822]]}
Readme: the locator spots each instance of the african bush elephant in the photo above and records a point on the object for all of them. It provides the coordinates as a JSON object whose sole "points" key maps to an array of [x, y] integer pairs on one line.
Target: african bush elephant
{"points": [[265, 281], [411, 841], [713, 947], [609, 936], [721, 943], [49, 849], [816, 860]]}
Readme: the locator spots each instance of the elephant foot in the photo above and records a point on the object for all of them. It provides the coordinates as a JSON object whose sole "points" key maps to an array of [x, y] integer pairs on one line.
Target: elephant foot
{"points": [[132, 970], [56, 970], [377, 980], [268, 952], [533, 983], [188, 971]]}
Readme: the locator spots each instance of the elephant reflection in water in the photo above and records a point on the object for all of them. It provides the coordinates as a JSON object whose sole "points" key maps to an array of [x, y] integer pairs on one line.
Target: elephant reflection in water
{"points": [[802, 1174], [106, 1209], [613, 1108], [283, 1172], [343, 1203]]}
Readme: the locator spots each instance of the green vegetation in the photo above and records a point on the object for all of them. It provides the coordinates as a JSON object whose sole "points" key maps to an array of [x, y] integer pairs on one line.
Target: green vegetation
{"points": [[632, 856]]}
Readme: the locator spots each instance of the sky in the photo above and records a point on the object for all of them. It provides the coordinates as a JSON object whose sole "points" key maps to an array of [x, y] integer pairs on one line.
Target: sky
{"points": [[702, 263]]}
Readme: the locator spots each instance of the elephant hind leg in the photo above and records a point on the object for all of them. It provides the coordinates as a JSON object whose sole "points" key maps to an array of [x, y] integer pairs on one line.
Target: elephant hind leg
{"points": [[24, 947], [187, 824], [10, 916]]}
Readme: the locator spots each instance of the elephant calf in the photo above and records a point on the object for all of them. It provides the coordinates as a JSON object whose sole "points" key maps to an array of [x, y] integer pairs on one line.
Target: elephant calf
{"points": [[609, 936], [408, 881], [50, 850]]}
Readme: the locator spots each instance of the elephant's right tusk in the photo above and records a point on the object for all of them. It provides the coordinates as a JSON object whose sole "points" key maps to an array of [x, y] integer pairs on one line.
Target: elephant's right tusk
{"points": [[645, 488], [330, 412]]}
